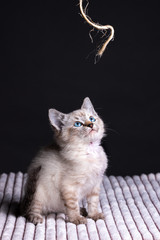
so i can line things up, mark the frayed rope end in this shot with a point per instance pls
(99, 27)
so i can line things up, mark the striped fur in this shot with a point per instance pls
(69, 170)
(30, 207)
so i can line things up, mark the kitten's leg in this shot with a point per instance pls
(34, 212)
(72, 208)
(93, 199)
(31, 206)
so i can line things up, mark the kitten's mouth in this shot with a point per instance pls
(92, 130)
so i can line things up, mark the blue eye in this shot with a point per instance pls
(92, 119)
(78, 124)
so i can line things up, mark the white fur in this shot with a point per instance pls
(78, 165)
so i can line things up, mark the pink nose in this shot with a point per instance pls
(90, 125)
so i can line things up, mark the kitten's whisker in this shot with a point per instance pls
(113, 130)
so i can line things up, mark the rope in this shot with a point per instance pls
(102, 28)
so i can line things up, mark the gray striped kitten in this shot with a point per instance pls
(69, 170)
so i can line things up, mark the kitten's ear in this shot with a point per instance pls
(88, 105)
(56, 118)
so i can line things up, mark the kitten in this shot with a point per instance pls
(70, 169)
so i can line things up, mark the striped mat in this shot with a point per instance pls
(131, 206)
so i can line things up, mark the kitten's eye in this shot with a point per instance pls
(78, 124)
(92, 119)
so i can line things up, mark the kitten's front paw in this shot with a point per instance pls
(78, 220)
(35, 218)
(97, 216)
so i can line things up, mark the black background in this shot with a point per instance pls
(47, 60)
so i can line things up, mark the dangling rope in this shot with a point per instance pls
(102, 28)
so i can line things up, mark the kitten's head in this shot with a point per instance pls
(80, 126)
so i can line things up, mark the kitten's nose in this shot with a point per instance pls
(90, 125)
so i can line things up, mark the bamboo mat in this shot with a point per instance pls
(131, 206)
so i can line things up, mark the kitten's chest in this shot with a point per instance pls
(93, 164)
(88, 165)
(91, 174)
(93, 152)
